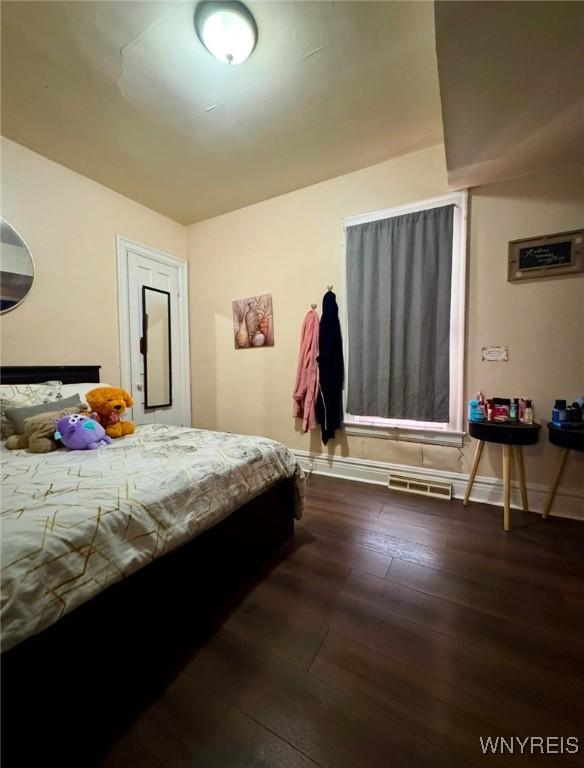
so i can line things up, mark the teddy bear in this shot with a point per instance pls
(110, 403)
(39, 431)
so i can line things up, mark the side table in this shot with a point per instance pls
(568, 440)
(512, 437)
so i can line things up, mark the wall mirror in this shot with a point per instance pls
(156, 348)
(16, 268)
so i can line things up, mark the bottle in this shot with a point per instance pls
(489, 410)
(513, 410)
(573, 413)
(528, 413)
(472, 407)
(475, 411)
(559, 412)
(522, 401)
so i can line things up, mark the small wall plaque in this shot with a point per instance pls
(546, 256)
(495, 354)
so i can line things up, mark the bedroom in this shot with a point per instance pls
(389, 623)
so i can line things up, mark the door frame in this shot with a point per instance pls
(183, 378)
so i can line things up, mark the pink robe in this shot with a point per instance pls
(306, 386)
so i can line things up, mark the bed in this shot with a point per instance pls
(96, 544)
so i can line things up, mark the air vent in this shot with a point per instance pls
(419, 485)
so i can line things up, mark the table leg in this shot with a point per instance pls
(506, 486)
(473, 472)
(521, 469)
(556, 480)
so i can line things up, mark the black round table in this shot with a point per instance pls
(512, 436)
(567, 439)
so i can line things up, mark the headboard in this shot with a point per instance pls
(36, 374)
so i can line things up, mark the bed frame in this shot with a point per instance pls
(68, 692)
(36, 374)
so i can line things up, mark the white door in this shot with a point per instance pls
(140, 267)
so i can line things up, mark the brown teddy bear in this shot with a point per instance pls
(39, 431)
(110, 403)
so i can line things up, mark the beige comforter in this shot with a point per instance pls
(74, 522)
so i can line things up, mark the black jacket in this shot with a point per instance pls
(329, 403)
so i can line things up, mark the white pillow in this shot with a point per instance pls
(16, 395)
(80, 389)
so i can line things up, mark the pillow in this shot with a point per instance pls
(14, 395)
(80, 389)
(17, 415)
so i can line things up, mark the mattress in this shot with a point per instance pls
(75, 522)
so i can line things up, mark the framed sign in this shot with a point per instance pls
(546, 256)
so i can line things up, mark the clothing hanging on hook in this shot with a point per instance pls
(331, 369)
(306, 384)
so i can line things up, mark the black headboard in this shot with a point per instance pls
(36, 374)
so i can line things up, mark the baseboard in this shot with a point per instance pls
(486, 490)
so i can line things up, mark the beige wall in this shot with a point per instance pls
(70, 224)
(542, 321)
(291, 246)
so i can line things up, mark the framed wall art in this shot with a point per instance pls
(253, 322)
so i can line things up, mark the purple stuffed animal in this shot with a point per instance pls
(79, 433)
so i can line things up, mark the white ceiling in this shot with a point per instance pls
(124, 93)
(512, 87)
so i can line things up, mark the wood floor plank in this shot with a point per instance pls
(174, 728)
(503, 637)
(324, 724)
(357, 558)
(288, 613)
(356, 509)
(433, 709)
(130, 751)
(378, 524)
(532, 554)
(528, 605)
(383, 543)
(555, 578)
(422, 517)
(392, 631)
(240, 742)
(347, 489)
(521, 693)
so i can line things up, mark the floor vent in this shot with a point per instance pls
(419, 485)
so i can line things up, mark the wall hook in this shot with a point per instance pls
(329, 287)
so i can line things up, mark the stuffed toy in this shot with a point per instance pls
(39, 431)
(80, 433)
(110, 404)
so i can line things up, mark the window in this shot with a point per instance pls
(404, 324)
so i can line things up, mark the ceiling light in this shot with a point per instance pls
(226, 29)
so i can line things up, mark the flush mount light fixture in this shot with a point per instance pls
(226, 29)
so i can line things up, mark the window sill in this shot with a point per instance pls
(407, 434)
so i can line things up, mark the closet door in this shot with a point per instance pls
(157, 336)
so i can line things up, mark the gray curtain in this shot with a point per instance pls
(398, 292)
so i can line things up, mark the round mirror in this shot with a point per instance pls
(16, 268)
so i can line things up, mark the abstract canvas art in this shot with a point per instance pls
(253, 322)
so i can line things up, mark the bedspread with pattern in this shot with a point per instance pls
(74, 522)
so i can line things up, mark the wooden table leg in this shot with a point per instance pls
(521, 470)
(473, 472)
(556, 481)
(506, 486)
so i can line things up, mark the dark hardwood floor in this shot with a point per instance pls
(392, 631)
